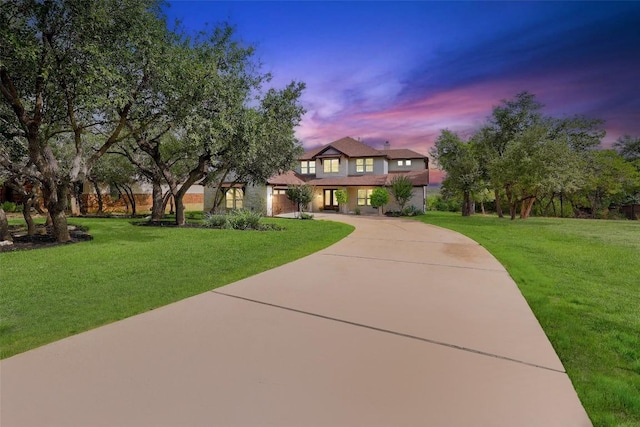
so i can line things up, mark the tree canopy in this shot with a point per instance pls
(524, 156)
(80, 80)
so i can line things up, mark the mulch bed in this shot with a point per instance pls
(42, 238)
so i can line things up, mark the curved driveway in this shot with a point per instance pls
(399, 324)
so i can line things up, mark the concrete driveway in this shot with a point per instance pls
(399, 324)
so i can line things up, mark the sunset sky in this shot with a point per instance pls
(402, 71)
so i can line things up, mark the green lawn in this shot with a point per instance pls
(582, 281)
(48, 294)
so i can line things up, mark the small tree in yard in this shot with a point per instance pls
(401, 189)
(342, 197)
(301, 195)
(379, 198)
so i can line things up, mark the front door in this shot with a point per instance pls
(330, 201)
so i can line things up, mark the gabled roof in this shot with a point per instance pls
(347, 146)
(354, 148)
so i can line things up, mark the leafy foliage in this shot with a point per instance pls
(401, 188)
(301, 195)
(379, 197)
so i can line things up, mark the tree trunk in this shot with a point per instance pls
(99, 197)
(5, 235)
(55, 196)
(466, 204)
(157, 208)
(527, 204)
(122, 196)
(482, 208)
(26, 214)
(180, 218)
(129, 192)
(498, 204)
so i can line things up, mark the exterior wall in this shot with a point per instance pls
(343, 170)
(255, 198)
(193, 200)
(417, 200)
(353, 201)
(416, 165)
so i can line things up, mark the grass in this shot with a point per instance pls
(48, 294)
(582, 281)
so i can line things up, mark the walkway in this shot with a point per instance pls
(399, 324)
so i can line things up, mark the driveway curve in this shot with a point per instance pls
(399, 324)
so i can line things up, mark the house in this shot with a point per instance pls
(345, 164)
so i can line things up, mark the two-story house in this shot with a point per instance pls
(345, 164)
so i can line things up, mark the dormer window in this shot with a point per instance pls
(331, 165)
(364, 165)
(308, 167)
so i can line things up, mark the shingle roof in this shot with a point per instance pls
(287, 178)
(347, 146)
(354, 148)
(403, 153)
(418, 178)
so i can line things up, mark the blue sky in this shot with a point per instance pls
(402, 71)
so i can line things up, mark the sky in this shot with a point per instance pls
(403, 71)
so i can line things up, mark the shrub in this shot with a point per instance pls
(244, 219)
(305, 215)
(411, 211)
(9, 206)
(439, 203)
(215, 220)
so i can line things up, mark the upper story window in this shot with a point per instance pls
(404, 162)
(308, 167)
(364, 165)
(331, 165)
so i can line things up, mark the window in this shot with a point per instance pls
(233, 198)
(407, 162)
(364, 197)
(279, 192)
(331, 165)
(364, 165)
(400, 162)
(308, 167)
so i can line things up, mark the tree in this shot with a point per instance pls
(459, 160)
(528, 155)
(401, 188)
(608, 178)
(342, 197)
(301, 195)
(70, 67)
(628, 147)
(509, 119)
(379, 198)
(216, 119)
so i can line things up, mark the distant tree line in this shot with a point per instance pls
(521, 157)
(104, 92)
